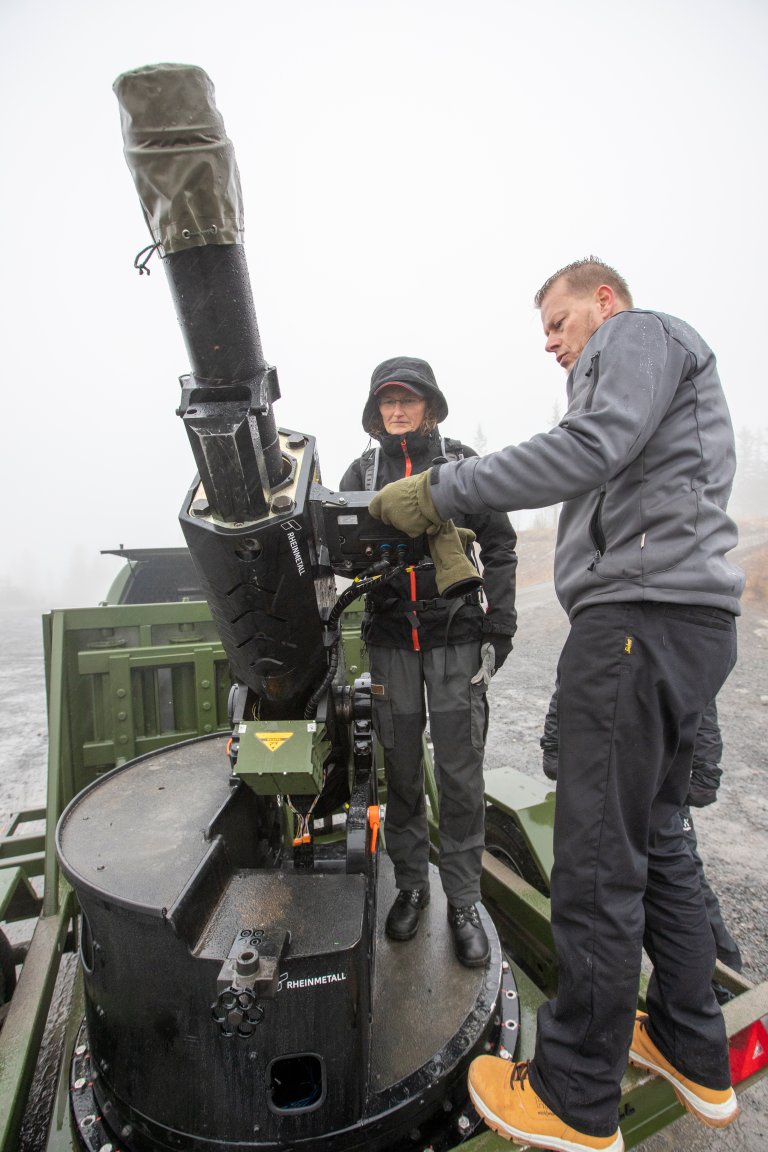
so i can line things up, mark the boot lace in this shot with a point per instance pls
(466, 914)
(519, 1074)
(410, 896)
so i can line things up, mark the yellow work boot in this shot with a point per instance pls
(504, 1097)
(710, 1105)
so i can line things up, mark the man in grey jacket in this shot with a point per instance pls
(644, 461)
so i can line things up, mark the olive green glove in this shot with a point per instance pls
(455, 573)
(407, 505)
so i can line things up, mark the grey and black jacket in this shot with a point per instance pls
(644, 461)
(393, 611)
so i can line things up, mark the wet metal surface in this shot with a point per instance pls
(322, 913)
(138, 835)
(422, 994)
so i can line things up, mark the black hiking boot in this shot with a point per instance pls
(403, 919)
(469, 939)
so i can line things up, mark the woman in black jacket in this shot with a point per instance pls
(416, 639)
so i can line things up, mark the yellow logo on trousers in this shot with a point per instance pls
(628, 645)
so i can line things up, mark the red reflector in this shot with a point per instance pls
(748, 1050)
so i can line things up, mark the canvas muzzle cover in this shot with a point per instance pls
(182, 162)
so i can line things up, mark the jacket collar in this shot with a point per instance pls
(420, 448)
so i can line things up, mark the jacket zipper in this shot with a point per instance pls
(595, 527)
(596, 531)
(594, 372)
(408, 470)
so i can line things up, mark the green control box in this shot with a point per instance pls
(279, 757)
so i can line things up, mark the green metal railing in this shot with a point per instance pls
(121, 680)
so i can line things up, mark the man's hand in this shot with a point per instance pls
(407, 505)
(705, 781)
(549, 758)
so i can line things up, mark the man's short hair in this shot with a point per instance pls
(584, 276)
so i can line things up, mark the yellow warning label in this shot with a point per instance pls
(273, 740)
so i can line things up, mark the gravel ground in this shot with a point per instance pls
(23, 726)
(733, 833)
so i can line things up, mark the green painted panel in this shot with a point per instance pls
(282, 756)
(531, 804)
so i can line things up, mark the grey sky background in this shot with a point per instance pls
(412, 172)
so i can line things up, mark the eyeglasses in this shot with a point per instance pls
(390, 402)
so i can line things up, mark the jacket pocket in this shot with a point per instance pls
(671, 535)
(704, 616)
(641, 541)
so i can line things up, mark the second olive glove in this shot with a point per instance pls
(455, 573)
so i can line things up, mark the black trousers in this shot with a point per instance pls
(634, 680)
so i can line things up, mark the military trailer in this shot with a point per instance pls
(206, 967)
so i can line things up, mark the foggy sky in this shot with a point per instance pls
(412, 172)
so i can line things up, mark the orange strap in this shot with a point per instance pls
(408, 471)
(374, 819)
(414, 631)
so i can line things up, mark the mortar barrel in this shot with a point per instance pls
(184, 169)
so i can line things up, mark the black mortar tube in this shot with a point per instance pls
(184, 169)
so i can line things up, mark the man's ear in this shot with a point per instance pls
(607, 301)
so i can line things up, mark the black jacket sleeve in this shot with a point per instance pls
(707, 752)
(550, 741)
(352, 480)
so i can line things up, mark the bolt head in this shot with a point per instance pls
(282, 503)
